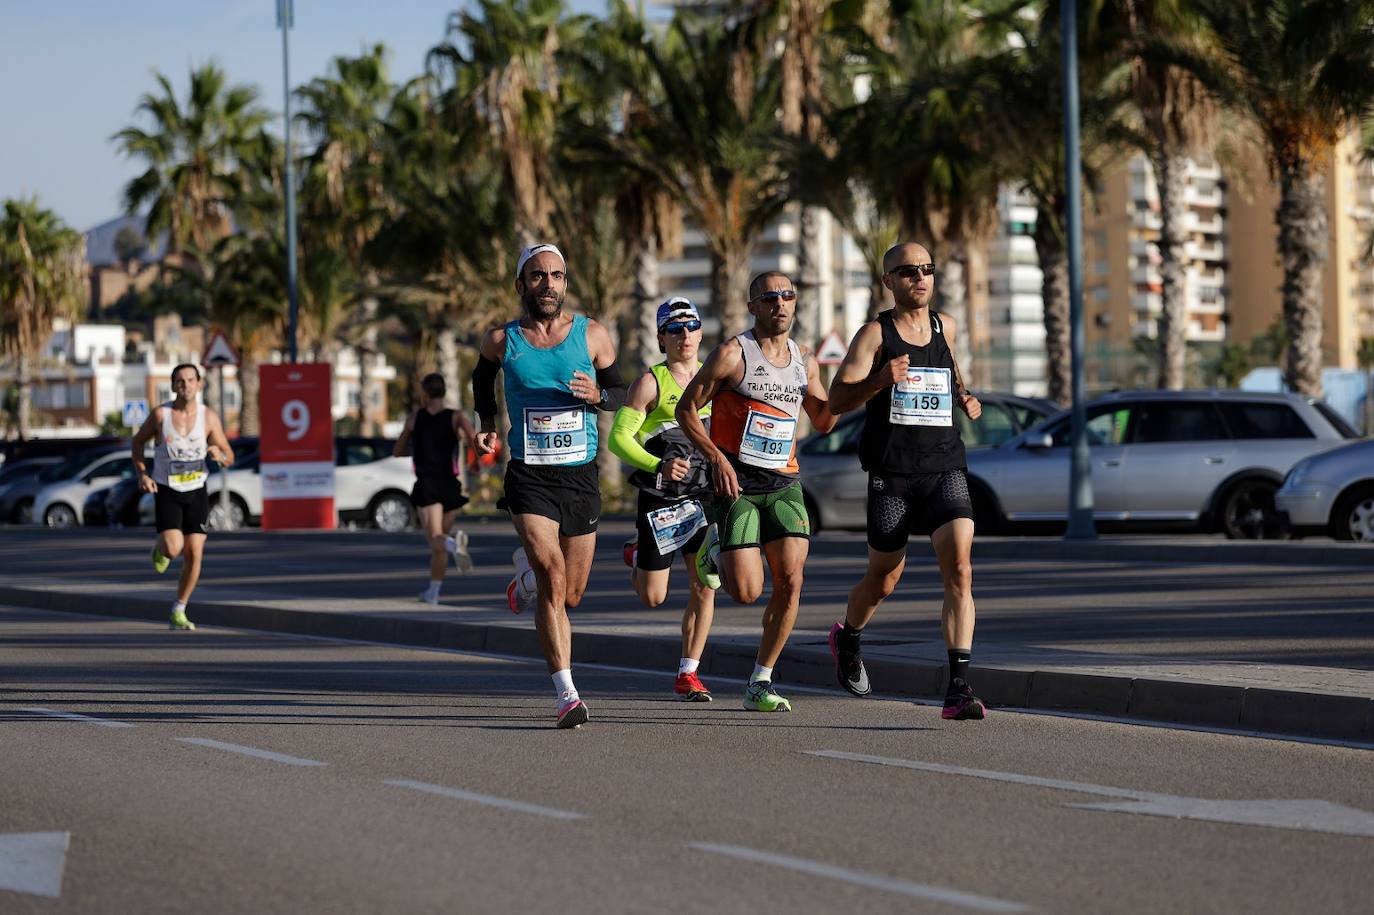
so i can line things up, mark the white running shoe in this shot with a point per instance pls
(522, 591)
(457, 546)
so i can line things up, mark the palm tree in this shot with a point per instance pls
(192, 154)
(1303, 72)
(42, 280)
(1364, 357)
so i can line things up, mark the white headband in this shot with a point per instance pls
(530, 252)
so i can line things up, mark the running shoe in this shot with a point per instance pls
(178, 620)
(426, 597)
(627, 550)
(963, 705)
(689, 688)
(849, 665)
(457, 546)
(522, 590)
(761, 697)
(707, 571)
(572, 711)
(160, 562)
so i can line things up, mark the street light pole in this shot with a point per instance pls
(1080, 464)
(286, 18)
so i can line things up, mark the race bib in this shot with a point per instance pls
(184, 476)
(673, 525)
(555, 435)
(767, 440)
(923, 399)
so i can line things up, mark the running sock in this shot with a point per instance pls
(450, 544)
(849, 636)
(432, 592)
(562, 683)
(687, 666)
(761, 673)
(958, 667)
(178, 606)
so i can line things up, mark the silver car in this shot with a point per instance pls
(1332, 493)
(1200, 460)
(836, 487)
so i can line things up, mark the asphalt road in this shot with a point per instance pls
(266, 773)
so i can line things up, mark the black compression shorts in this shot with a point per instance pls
(187, 512)
(900, 505)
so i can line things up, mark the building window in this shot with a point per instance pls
(62, 395)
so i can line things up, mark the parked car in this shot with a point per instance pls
(59, 504)
(113, 507)
(16, 500)
(1332, 493)
(1199, 460)
(11, 452)
(836, 487)
(13, 472)
(370, 486)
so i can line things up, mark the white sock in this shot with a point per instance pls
(179, 606)
(562, 683)
(432, 592)
(450, 544)
(687, 666)
(761, 673)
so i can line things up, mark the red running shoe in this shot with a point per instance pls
(627, 550)
(689, 688)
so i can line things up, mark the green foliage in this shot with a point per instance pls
(113, 424)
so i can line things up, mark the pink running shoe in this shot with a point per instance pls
(963, 705)
(572, 711)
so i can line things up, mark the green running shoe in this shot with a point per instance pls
(160, 562)
(707, 572)
(179, 621)
(761, 697)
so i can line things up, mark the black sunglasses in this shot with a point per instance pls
(785, 295)
(677, 327)
(907, 271)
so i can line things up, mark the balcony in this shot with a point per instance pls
(1212, 198)
(1213, 251)
(1146, 275)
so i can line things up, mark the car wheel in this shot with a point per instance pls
(813, 512)
(391, 512)
(23, 512)
(1353, 516)
(59, 515)
(1248, 512)
(986, 518)
(237, 518)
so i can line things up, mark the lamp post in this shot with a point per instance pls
(286, 18)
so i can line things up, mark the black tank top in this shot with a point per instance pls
(435, 443)
(888, 447)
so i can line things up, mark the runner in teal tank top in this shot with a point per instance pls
(558, 369)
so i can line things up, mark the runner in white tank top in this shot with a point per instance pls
(185, 433)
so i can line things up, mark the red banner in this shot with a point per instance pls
(297, 446)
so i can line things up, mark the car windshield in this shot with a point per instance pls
(65, 470)
(1335, 419)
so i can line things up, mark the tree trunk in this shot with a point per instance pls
(1368, 402)
(807, 326)
(367, 363)
(1054, 290)
(877, 296)
(647, 297)
(954, 299)
(730, 291)
(248, 391)
(24, 381)
(446, 359)
(1171, 179)
(1301, 218)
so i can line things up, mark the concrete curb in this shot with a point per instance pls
(1169, 701)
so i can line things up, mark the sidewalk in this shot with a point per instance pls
(1061, 625)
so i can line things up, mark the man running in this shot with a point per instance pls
(556, 367)
(185, 432)
(437, 494)
(669, 515)
(757, 384)
(903, 366)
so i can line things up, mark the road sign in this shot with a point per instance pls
(297, 446)
(219, 352)
(135, 412)
(832, 349)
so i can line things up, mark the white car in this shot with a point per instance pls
(1332, 493)
(370, 487)
(59, 504)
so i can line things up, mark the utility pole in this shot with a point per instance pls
(286, 18)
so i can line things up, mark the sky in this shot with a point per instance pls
(73, 72)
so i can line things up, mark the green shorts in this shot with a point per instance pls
(753, 520)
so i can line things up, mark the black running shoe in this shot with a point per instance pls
(849, 665)
(962, 705)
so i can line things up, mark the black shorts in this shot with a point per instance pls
(648, 556)
(445, 491)
(900, 505)
(187, 512)
(569, 495)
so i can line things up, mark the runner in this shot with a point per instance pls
(903, 366)
(437, 494)
(185, 432)
(669, 515)
(757, 384)
(556, 367)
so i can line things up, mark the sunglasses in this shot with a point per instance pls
(781, 295)
(907, 271)
(677, 327)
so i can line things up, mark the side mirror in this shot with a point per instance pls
(1039, 441)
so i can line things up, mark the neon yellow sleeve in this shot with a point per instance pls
(625, 446)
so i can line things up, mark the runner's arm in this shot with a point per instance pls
(722, 366)
(967, 402)
(629, 419)
(218, 440)
(816, 405)
(858, 377)
(608, 391)
(484, 386)
(462, 426)
(403, 441)
(145, 433)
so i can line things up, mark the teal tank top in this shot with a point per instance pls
(549, 426)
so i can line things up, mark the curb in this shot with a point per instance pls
(1293, 713)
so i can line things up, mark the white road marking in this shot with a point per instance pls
(250, 751)
(860, 878)
(487, 799)
(32, 862)
(1305, 815)
(72, 716)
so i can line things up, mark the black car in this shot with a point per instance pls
(116, 506)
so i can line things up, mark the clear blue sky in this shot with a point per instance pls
(73, 71)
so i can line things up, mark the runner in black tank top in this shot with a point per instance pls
(437, 494)
(903, 366)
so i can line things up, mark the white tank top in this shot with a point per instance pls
(179, 460)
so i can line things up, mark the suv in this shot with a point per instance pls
(1200, 460)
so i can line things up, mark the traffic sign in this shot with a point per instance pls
(135, 412)
(832, 349)
(219, 352)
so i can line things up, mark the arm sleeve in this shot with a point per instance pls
(616, 391)
(484, 387)
(625, 446)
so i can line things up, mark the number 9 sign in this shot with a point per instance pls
(295, 416)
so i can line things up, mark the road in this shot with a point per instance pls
(228, 771)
